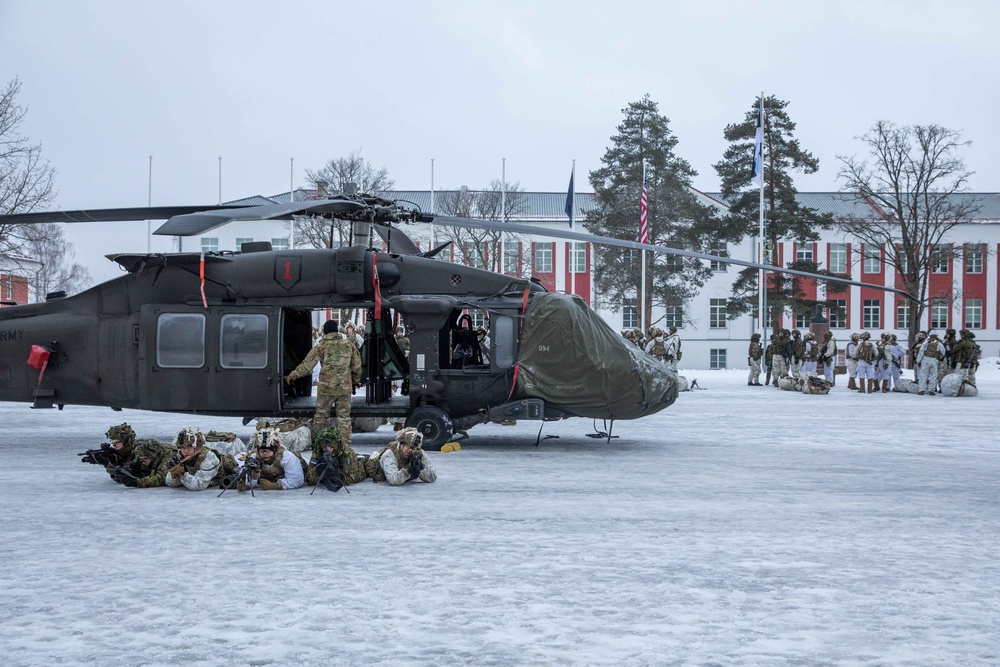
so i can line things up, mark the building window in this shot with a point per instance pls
(511, 257)
(903, 315)
(719, 248)
(210, 244)
(973, 259)
(7, 283)
(717, 314)
(240, 240)
(716, 358)
(973, 313)
(871, 314)
(837, 313)
(673, 317)
(673, 262)
(630, 259)
(478, 318)
(873, 260)
(578, 257)
(838, 258)
(902, 262)
(630, 315)
(939, 314)
(804, 253)
(474, 258)
(543, 258)
(180, 340)
(279, 244)
(243, 341)
(801, 321)
(940, 258)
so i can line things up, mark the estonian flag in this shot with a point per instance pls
(758, 166)
(569, 198)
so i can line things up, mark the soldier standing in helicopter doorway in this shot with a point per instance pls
(340, 372)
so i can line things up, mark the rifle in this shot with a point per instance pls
(250, 466)
(100, 456)
(416, 464)
(331, 476)
(123, 475)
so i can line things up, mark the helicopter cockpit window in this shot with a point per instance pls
(243, 341)
(180, 340)
(503, 341)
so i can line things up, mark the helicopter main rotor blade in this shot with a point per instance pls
(105, 214)
(191, 224)
(528, 230)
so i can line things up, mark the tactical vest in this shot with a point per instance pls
(866, 352)
(658, 349)
(932, 350)
(373, 466)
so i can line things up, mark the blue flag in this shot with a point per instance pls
(570, 194)
(758, 166)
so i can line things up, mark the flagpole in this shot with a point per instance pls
(572, 244)
(759, 155)
(642, 299)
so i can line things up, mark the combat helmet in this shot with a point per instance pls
(328, 436)
(865, 335)
(855, 337)
(410, 436)
(122, 433)
(266, 438)
(190, 437)
(147, 449)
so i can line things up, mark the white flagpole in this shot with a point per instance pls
(572, 244)
(763, 274)
(642, 298)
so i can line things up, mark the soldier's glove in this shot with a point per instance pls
(177, 471)
(270, 486)
(129, 481)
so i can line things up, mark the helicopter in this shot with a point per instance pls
(216, 333)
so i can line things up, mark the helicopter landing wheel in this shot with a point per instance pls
(434, 424)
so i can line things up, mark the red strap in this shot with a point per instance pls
(378, 291)
(204, 301)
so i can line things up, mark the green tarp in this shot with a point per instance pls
(572, 359)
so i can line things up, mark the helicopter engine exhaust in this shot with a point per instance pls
(572, 359)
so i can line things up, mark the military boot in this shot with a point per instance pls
(851, 384)
(885, 386)
(861, 385)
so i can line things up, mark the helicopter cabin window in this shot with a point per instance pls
(180, 340)
(210, 244)
(243, 341)
(504, 334)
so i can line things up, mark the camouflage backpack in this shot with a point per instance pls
(932, 350)
(659, 349)
(866, 352)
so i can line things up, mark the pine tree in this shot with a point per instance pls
(784, 217)
(675, 218)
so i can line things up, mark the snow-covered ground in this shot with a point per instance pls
(742, 526)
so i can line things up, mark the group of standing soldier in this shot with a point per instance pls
(790, 354)
(664, 346)
(872, 366)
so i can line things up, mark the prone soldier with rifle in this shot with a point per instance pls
(114, 453)
(402, 461)
(333, 465)
(148, 467)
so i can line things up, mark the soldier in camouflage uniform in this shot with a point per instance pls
(277, 469)
(122, 440)
(350, 469)
(340, 372)
(754, 353)
(148, 467)
(828, 354)
(966, 356)
(194, 466)
(798, 354)
(402, 461)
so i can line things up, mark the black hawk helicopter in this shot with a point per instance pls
(216, 333)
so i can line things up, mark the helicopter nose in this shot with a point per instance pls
(572, 359)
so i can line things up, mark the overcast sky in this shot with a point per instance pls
(468, 84)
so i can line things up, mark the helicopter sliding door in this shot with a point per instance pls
(215, 360)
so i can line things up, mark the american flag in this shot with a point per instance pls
(643, 203)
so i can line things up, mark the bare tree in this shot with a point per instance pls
(27, 182)
(913, 176)
(47, 244)
(482, 248)
(349, 175)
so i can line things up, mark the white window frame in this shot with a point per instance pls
(578, 256)
(903, 314)
(511, 257)
(673, 316)
(804, 253)
(973, 259)
(939, 314)
(838, 258)
(941, 258)
(280, 243)
(630, 313)
(717, 358)
(835, 321)
(873, 260)
(717, 314)
(542, 261)
(210, 244)
(721, 249)
(973, 313)
(871, 314)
